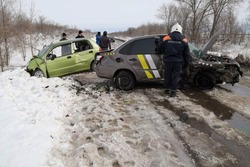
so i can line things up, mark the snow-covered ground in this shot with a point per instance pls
(30, 110)
(59, 122)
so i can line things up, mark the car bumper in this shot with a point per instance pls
(105, 72)
(231, 77)
(28, 70)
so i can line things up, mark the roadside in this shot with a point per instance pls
(142, 127)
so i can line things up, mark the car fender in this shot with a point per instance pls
(125, 69)
(37, 63)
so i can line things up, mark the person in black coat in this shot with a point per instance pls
(80, 45)
(176, 56)
(105, 42)
(64, 37)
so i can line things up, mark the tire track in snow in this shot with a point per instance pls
(229, 146)
(148, 122)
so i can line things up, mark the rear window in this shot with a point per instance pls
(141, 46)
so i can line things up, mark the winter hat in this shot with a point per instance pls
(64, 34)
(177, 28)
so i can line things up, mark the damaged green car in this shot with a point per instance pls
(63, 58)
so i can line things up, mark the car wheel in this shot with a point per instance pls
(38, 73)
(125, 80)
(205, 81)
(92, 66)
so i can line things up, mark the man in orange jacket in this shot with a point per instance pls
(176, 56)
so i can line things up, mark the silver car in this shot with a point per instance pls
(137, 61)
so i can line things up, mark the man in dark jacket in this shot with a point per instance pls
(64, 37)
(105, 42)
(176, 56)
(80, 45)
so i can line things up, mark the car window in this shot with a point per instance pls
(194, 51)
(66, 49)
(61, 50)
(82, 45)
(42, 51)
(141, 46)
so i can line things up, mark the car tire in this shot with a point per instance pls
(124, 80)
(38, 73)
(205, 81)
(92, 66)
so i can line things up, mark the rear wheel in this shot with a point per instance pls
(125, 80)
(38, 73)
(205, 81)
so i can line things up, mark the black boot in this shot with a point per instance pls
(172, 93)
(167, 91)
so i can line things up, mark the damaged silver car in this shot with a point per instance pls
(137, 61)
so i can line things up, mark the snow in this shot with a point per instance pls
(45, 122)
(30, 110)
(58, 122)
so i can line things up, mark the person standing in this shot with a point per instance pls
(80, 34)
(64, 37)
(175, 57)
(98, 37)
(65, 49)
(80, 45)
(105, 42)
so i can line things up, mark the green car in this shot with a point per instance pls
(64, 58)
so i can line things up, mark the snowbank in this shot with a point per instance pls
(30, 109)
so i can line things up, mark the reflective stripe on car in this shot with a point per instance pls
(152, 66)
(109, 53)
(146, 68)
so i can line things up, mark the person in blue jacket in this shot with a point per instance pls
(98, 37)
(175, 57)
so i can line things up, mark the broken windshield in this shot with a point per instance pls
(42, 51)
(195, 52)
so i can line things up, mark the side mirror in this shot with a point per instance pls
(51, 56)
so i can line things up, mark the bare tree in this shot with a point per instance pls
(232, 28)
(33, 37)
(247, 23)
(21, 22)
(199, 9)
(218, 6)
(167, 13)
(5, 27)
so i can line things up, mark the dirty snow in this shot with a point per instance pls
(59, 122)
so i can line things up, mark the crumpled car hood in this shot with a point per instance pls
(210, 43)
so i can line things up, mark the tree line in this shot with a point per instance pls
(200, 19)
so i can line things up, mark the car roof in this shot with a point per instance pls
(141, 37)
(71, 40)
(202, 51)
(148, 36)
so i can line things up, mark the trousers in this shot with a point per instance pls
(172, 71)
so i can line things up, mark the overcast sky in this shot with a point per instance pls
(100, 15)
(110, 15)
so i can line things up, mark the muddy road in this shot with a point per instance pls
(144, 127)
